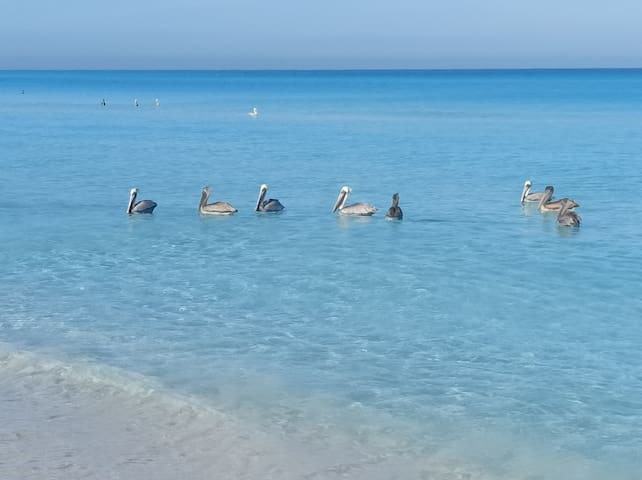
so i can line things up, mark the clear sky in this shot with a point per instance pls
(305, 34)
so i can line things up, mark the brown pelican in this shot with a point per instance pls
(394, 212)
(143, 206)
(567, 218)
(270, 205)
(363, 209)
(216, 208)
(528, 196)
(545, 205)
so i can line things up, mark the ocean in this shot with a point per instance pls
(474, 339)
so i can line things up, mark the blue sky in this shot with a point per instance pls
(253, 34)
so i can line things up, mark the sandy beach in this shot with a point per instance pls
(52, 429)
(57, 427)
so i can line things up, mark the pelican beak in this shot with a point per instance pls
(262, 192)
(340, 198)
(132, 195)
(524, 190)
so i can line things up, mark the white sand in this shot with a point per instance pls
(59, 422)
(63, 421)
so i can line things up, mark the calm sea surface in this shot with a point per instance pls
(474, 339)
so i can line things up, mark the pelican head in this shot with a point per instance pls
(548, 194)
(342, 198)
(526, 189)
(205, 195)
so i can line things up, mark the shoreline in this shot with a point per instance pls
(63, 421)
(55, 427)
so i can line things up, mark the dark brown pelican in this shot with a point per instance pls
(362, 209)
(270, 205)
(143, 206)
(394, 212)
(567, 218)
(545, 205)
(216, 208)
(528, 196)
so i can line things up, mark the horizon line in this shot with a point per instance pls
(325, 69)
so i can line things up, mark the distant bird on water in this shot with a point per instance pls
(216, 208)
(566, 218)
(253, 113)
(394, 212)
(143, 206)
(270, 205)
(357, 209)
(528, 196)
(545, 205)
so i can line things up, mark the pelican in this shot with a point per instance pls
(566, 218)
(270, 205)
(528, 196)
(253, 113)
(216, 208)
(143, 206)
(394, 212)
(545, 205)
(363, 209)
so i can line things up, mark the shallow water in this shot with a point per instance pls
(475, 335)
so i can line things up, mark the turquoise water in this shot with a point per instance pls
(475, 327)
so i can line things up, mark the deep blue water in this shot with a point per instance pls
(473, 317)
